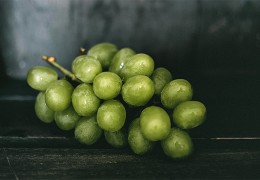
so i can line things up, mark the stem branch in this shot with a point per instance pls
(53, 61)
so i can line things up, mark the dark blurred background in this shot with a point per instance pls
(215, 44)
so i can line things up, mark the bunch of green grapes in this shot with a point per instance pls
(108, 82)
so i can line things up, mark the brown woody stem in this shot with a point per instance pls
(82, 51)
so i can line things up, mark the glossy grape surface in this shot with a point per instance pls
(86, 68)
(155, 123)
(58, 95)
(107, 85)
(178, 144)
(87, 130)
(84, 100)
(138, 90)
(67, 119)
(117, 139)
(175, 92)
(43, 112)
(189, 114)
(136, 140)
(160, 77)
(120, 59)
(111, 115)
(138, 64)
(103, 52)
(39, 77)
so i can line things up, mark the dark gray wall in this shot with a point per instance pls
(209, 35)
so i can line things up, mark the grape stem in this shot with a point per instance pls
(53, 61)
(82, 51)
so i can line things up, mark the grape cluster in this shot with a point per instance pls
(106, 86)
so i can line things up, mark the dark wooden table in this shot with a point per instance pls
(62, 158)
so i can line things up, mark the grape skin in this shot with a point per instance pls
(136, 140)
(39, 77)
(160, 77)
(138, 64)
(175, 92)
(84, 100)
(87, 130)
(189, 114)
(67, 119)
(111, 115)
(120, 59)
(107, 85)
(178, 144)
(138, 90)
(58, 95)
(116, 139)
(42, 111)
(104, 53)
(155, 123)
(86, 68)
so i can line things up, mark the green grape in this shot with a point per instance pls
(117, 139)
(189, 114)
(138, 90)
(138, 64)
(39, 77)
(136, 140)
(42, 111)
(87, 130)
(84, 100)
(178, 144)
(155, 123)
(175, 92)
(86, 68)
(58, 95)
(67, 119)
(120, 59)
(111, 115)
(104, 52)
(133, 75)
(107, 85)
(160, 77)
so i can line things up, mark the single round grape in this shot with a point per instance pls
(189, 114)
(138, 64)
(42, 111)
(58, 95)
(155, 123)
(117, 139)
(107, 85)
(175, 92)
(120, 59)
(111, 115)
(138, 90)
(160, 77)
(84, 100)
(86, 68)
(136, 140)
(67, 119)
(103, 52)
(178, 144)
(39, 77)
(87, 130)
